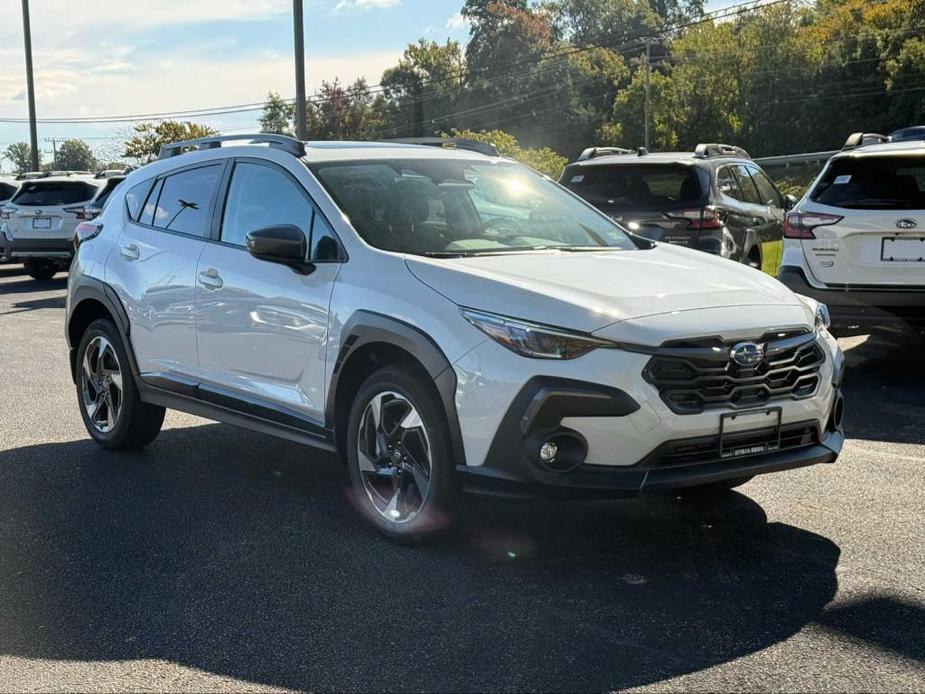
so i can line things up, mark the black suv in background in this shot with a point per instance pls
(715, 199)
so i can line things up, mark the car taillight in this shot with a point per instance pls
(84, 232)
(698, 217)
(800, 225)
(6, 212)
(80, 212)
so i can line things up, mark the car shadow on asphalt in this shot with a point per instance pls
(53, 302)
(884, 386)
(240, 555)
(27, 285)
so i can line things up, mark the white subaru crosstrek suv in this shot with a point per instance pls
(856, 241)
(37, 224)
(445, 321)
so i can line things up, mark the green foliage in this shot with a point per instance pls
(277, 115)
(343, 113)
(75, 155)
(542, 159)
(146, 144)
(20, 156)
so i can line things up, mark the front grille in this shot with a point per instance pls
(694, 376)
(705, 449)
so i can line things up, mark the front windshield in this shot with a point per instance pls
(458, 207)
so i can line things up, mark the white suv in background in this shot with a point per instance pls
(856, 241)
(37, 224)
(445, 321)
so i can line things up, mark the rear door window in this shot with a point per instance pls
(53, 193)
(766, 189)
(184, 201)
(873, 183)
(748, 190)
(637, 185)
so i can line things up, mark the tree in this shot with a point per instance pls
(277, 115)
(149, 137)
(343, 113)
(75, 155)
(542, 159)
(423, 88)
(20, 155)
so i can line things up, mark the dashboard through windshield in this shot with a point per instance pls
(459, 207)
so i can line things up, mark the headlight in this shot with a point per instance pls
(531, 339)
(823, 319)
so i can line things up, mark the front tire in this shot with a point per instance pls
(112, 411)
(399, 456)
(40, 269)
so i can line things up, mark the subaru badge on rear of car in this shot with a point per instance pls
(906, 224)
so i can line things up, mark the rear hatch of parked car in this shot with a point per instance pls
(660, 201)
(39, 211)
(864, 221)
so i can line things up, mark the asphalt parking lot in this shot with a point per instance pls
(220, 559)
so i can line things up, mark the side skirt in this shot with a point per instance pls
(221, 406)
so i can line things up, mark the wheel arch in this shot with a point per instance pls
(373, 340)
(91, 300)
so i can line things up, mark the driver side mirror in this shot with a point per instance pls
(790, 201)
(285, 244)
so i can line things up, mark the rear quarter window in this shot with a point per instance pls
(7, 191)
(53, 193)
(873, 183)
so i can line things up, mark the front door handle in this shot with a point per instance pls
(210, 279)
(130, 252)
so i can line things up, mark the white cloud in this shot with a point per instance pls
(364, 4)
(457, 23)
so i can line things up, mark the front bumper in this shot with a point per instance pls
(545, 406)
(11, 249)
(856, 308)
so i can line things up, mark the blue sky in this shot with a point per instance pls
(115, 57)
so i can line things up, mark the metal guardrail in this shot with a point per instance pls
(788, 160)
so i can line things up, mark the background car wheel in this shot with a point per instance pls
(715, 489)
(39, 269)
(399, 456)
(113, 414)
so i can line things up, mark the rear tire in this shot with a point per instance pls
(40, 269)
(112, 411)
(399, 456)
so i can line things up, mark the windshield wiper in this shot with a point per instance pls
(486, 251)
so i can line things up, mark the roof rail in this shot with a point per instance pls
(450, 142)
(707, 150)
(110, 173)
(861, 139)
(592, 152)
(33, 175)
(283, 142)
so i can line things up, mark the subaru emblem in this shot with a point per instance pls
(37, 213)
(747, 354)
(906, 224)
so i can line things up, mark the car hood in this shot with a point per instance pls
(588, 291)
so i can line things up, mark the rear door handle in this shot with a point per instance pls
(130, 252)
(210, 279)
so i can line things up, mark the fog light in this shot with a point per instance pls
(548, 452)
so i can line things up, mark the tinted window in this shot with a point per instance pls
(324, 242)
(766, 189)
(53, 193)
(462, 207)
(6, 191)
(135, 197)
(726, 183)
(263, 196)
(748, 191)
(635, 186)
(111, 184)
(185, 199)
(147, 214)
(875, 183)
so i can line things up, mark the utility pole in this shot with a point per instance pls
(647, 106)
(299, 41)
(30, 85)
(54, 151)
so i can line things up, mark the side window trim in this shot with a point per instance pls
(222, 201)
